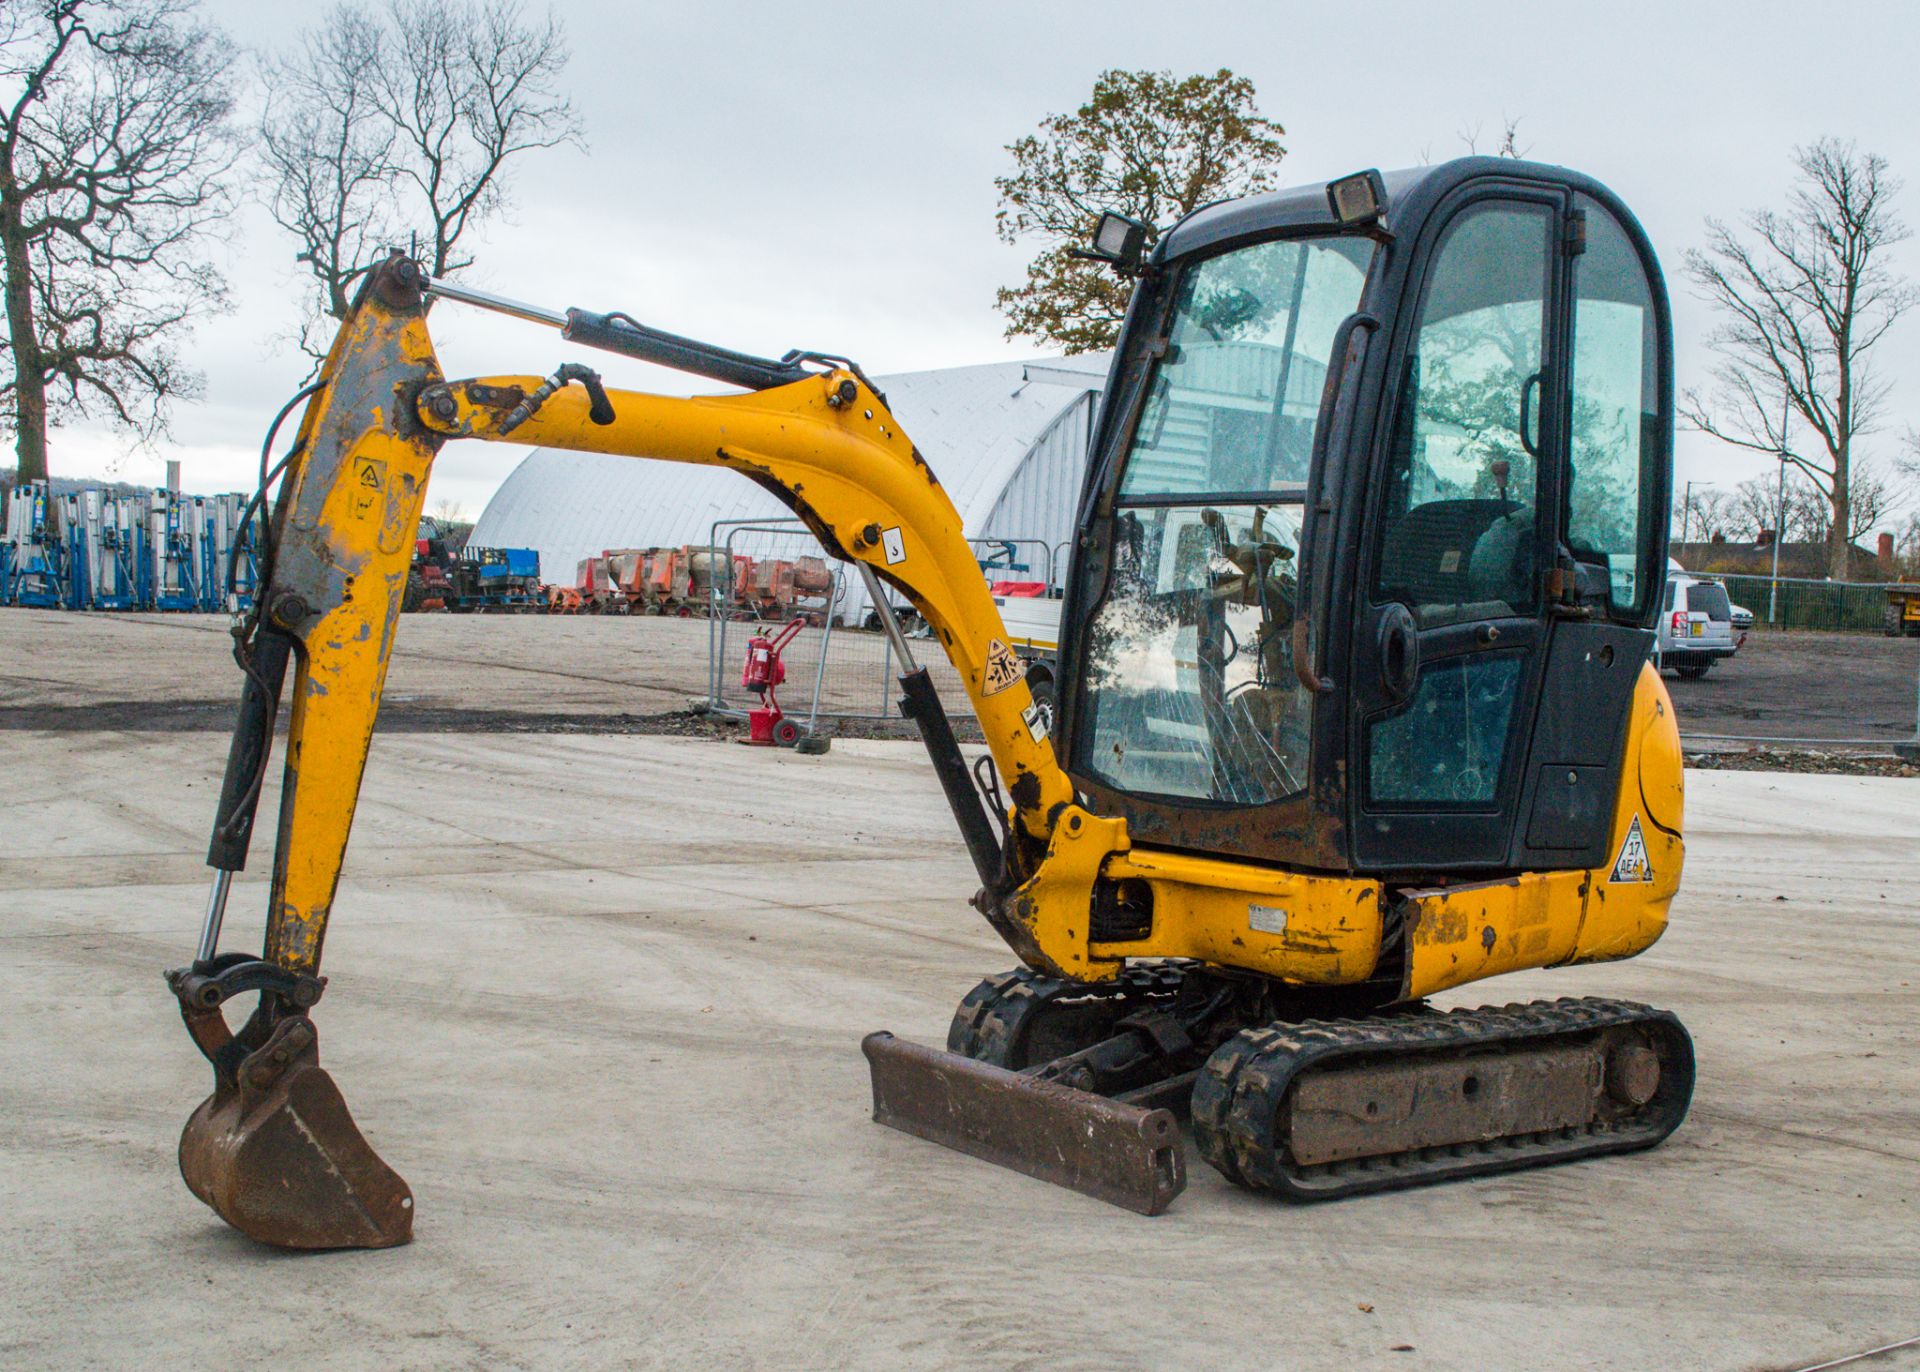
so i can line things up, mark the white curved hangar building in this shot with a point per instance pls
(1008, 440)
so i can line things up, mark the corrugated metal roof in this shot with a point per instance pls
(974, 425)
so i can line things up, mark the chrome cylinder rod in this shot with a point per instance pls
(884, 608)
(216, 912)
(499, 304)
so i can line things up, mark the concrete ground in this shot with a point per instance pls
(599, 1000)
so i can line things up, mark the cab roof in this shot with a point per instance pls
(1411, 193)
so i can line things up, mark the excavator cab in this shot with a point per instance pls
(1372, 526)
(1352, 707)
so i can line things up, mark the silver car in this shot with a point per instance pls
(1696, 626)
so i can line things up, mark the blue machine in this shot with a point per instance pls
(100, 548)
(41, 575)
(497, 579)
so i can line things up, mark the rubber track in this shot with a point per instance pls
(1239, 1094)
(988, 1023)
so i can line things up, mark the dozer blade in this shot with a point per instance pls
(277, 1155)
(1118, 1153)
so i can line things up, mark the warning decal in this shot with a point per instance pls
(1632, 865)
(1037, 724)
(370, 476)
(1002, 670)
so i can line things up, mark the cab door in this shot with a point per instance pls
(1451, 621)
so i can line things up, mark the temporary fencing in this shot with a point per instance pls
(837, 666)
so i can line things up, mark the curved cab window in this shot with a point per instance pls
(1190, 672)
(1232, 406)
(1614, 443)
(1458, 540)
(1189, 680)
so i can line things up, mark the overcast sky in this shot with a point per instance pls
(775, 175)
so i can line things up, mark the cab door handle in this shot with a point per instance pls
(1538, 379)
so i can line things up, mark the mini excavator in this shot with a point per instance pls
(1353, 706)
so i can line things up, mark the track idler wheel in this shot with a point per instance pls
(277, 1155)
(1021, 1018)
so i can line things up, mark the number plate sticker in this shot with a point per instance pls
(1267, 919)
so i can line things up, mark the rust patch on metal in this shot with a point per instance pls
(1437, 924)
(926, 467)
(494, 397)
(1025, 790)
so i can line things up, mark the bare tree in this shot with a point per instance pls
(1804, 296)
(1907, 549)
(114, 145)
(1509, 144)
(329, 153)
(1700, 514)
(1801, 512)
(395, 127)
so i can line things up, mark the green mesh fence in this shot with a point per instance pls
(1794, 603)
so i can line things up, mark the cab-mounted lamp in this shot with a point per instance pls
(1358, 199)
(1118, 241)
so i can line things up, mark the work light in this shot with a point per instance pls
(1358, 199)
(1118, 241)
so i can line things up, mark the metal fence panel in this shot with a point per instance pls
(1799, 603)
(836, 669)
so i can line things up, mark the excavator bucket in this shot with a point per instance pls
(1120, 1153)
(277, 1155)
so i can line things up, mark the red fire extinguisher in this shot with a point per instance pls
(762, 672)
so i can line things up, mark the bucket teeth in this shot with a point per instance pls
(1123, 1154)
(277, 1154)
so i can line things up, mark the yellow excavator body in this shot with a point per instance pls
(1190, 943)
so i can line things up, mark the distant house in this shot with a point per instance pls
(1807, 560)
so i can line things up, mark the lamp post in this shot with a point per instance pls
(1686, 508)
(1779, 517)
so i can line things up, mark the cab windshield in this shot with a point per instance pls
(1190, 682)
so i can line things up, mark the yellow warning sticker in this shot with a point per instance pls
(1002, 670)
(370, 476)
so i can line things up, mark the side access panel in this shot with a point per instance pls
(1576, 755)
